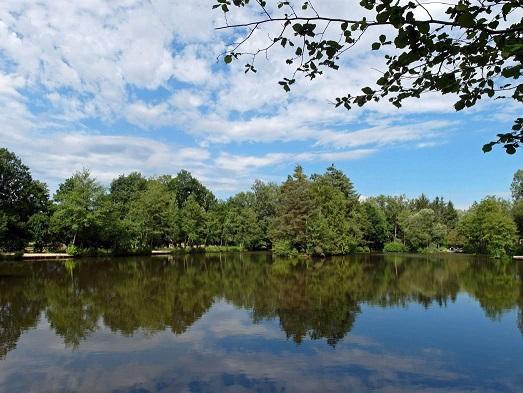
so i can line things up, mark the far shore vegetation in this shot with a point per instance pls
(317, 215)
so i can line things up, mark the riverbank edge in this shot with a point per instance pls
(191, 251)
(85, 253)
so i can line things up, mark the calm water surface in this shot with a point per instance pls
(248, 323)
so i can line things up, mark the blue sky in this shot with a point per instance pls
(123, 85)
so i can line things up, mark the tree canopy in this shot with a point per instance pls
(489, 228)
(473, 51)
(20, 198)
(77, 214)
(517, 185)
(319, 214)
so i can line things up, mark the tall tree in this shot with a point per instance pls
(376, 232)
(266, 196)
(394, 207)
(193, 222)
(472, 51)
(327, 207)
(420, 203)
(242, 228)
(294, 209)
(125, 188)
(334, 225)
(450, 215)
(185, 185)
(488, 228)
(76, 217)
(215, 219)
(445, 212)
(38, 226)
(422, 230)
(20, 198)
(337, 179)
(517, 185)
(517, 213)
(152, 216)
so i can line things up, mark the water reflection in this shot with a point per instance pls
(136, 324)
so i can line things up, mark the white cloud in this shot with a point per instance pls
(387, 134)
(191, 67)
(107, 156)
(238, 163)
(71, 71)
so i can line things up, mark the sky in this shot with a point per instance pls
(128, 85)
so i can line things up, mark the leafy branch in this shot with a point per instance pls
(476, 52)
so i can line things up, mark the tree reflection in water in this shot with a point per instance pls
(316, 299)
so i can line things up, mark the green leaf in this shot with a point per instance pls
(382, 17)
(424, 27)
(487, 148)
(459, 105)
(227, 59)
(466, 20)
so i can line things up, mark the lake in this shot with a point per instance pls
(253, 323)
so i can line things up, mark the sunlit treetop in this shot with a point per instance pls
(473, 50)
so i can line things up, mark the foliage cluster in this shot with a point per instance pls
(317, 215)
(394, 247)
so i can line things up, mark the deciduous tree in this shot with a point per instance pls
(76, 217)
(488, 228)
(20, 197)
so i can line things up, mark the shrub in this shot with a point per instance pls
(218, 249)
(284, 249)
(72, 250)
(363, 249)
(394, 247)
(430, 250)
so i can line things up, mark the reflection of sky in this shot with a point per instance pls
(451, 349)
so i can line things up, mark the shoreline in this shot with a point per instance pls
(61, 256)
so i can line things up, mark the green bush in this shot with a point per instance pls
(430, 250)
(394, 247)
(284, 249)
(84, 252)
(72, 250)
(218, 249)
(363, 249)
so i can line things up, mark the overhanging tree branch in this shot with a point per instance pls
(369, 24)
(476, 52)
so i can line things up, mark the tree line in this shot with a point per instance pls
(318, 215)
